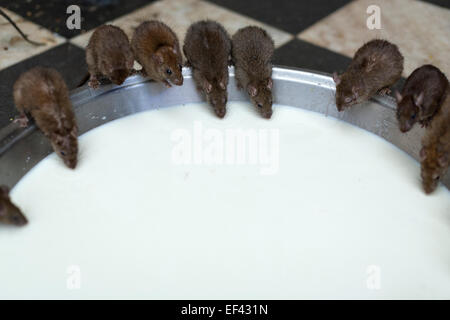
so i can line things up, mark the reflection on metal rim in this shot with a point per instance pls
(21, 149)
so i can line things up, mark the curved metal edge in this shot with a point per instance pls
(376, 115)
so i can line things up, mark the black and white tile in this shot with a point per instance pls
(317, 35)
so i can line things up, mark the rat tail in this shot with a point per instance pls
(20, 31)
(84, 80)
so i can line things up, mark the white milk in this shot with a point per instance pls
(320, 209)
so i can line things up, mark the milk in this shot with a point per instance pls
(178, 204)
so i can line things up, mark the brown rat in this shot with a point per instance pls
(109, 54)
(157, 49)
(252, 54)
(377, 65)
(42, 93)
(207, 47)
(421, 97)
(435, 153)
(9, 213)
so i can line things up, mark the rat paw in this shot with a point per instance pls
(385, 91)
(22, 121)
(167, 84)
(93, 83)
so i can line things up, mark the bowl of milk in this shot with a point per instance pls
(170, 202)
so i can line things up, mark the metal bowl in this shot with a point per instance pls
(21, 149)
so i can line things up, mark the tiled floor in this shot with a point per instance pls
(318, 35)
(420, 30)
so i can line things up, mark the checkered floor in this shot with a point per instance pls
(318, 35)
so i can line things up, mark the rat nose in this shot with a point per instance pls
(267, 114)
(118, 81)
(405, 128)
(178, 81)
(220, 112)
(71, 164)
(18, 220)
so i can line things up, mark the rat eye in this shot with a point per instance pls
(63, 153)
(169, 72)
(260, 105)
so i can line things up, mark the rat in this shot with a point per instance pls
(435, 152)
(207, 47)
(10, 213)
(157, 49)
(377, 65)
(20, 31)
(109, 54)
(252, 51)
(42, 93)
(421, 97)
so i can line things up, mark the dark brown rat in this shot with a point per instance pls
(9, 213)
(207, 47)
(377, 65)
(435, 153)
(109, 54)
(157, 49)
(252, 54)
(421, 97)
(42, 93)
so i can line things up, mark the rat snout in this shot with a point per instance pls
(119, 76)
(429, 186)
(18, 219)
(178, 81)
(15, 216)
(220, 112)
(405, 128)
(71, 164)
(117, 81)
(267, 113)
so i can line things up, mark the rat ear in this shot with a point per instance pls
(422, 154)
(336, 78)
(442, 160)
(252, 91)
(222, 85)
(74, 132)
(398, 96)
(4, 190)
(418, 99)
(174, 50)
(370, 64)
(158, 58)
(269, 83)
(207, 86)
